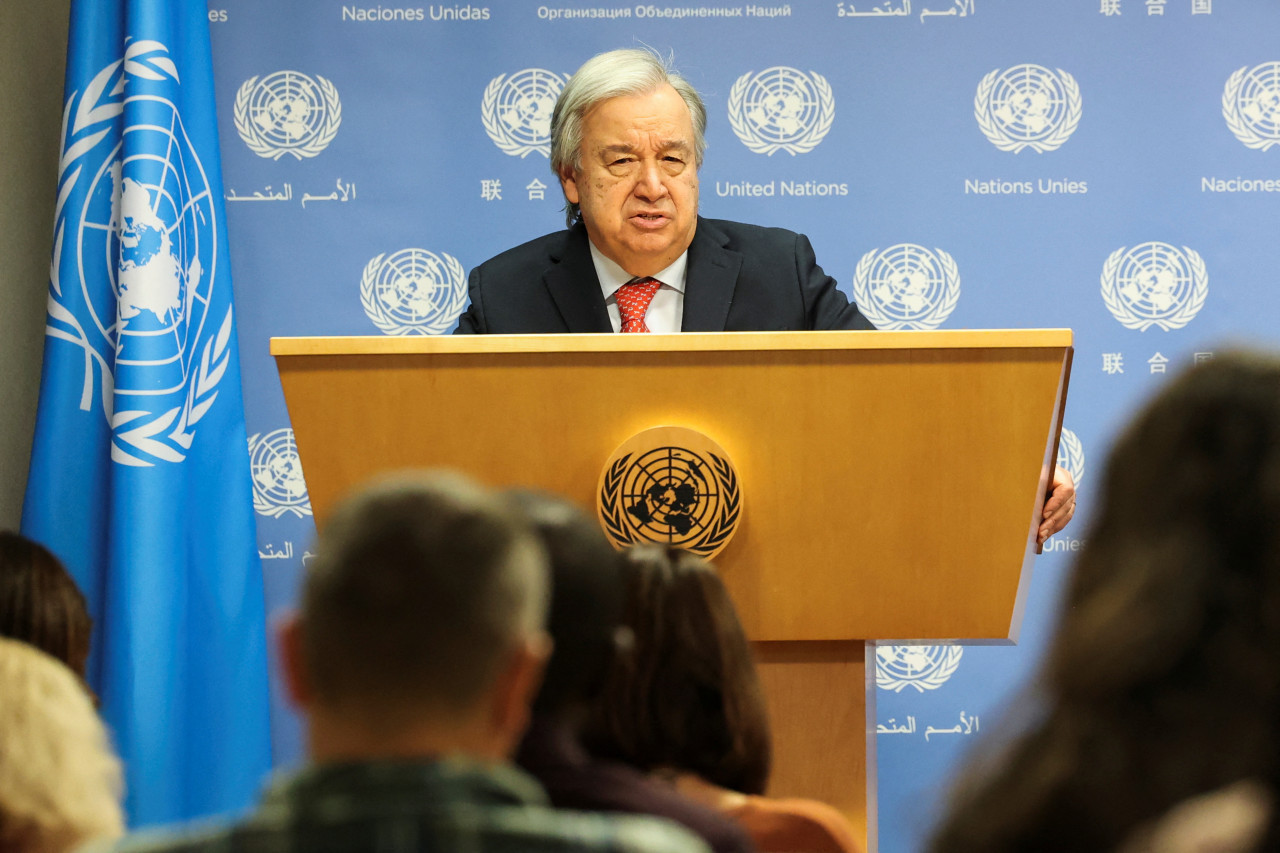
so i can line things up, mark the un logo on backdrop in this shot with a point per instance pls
(1154, 284)
(781, 109)
(1071, 455)
(278, 487)
(921, 667)
(906, 287)
(287, 113)
(516, 110)
(149, 227)
(413, 292)
(1027, 106)
(1251, 105)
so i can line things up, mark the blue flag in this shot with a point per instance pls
(139, 472)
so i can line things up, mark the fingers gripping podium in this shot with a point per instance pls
(890, 483)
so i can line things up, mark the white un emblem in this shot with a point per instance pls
(781, 109)
(1071, 455)
(278, 487)
(147, 225)
(516, 110)
(921, 667)
(906, 287)
(1027, 106)
(1251, 105)
(1154, 284)
(287, 113)
(413, 292)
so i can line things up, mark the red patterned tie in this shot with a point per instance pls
(633, 301)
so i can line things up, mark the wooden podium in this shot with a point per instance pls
(891, 481)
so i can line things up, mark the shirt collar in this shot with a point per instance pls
(613, 276)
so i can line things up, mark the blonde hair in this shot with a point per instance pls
(60, 781)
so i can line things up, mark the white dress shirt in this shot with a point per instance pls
(666, 311)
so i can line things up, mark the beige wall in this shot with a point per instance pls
(33, 48)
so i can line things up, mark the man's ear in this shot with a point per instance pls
(516, 687)
(289, 642)
(569, 183)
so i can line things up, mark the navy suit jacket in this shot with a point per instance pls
(739, 278)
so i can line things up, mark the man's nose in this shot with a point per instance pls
(650, 185)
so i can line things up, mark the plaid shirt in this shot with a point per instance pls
(415, 807)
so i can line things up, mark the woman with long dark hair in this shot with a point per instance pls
(1163, 681)
(686, 705)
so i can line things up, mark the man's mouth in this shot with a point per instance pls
(649, 218)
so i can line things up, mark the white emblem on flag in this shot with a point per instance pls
(278, 486)
(413, 292)
(1154, 284)
(148, 226)
(921, 667)
(1027, 106)
(906, 287)
(1071, 455)
(781, 109)
(287, 112)
(516, 110)
(1251, 105)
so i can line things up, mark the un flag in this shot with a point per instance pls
(139, 473)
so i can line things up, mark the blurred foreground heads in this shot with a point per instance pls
(687, 706)
(415, 657)
(60, 782)
(40, 604)
(1163, 682)
(590, 635)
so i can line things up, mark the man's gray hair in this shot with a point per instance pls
(421, 587)
(630, 71)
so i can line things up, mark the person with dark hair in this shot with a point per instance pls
(40, 604)
(1162, 682)
(415, 656)
(687, 705)
(587, 631)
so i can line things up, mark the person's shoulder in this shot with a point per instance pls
(744, 234)
(191, 838)
(797, 824)
(539, 249)
(545, 829)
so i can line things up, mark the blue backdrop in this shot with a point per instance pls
(1105, 165)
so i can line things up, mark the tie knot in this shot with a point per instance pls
(633, 301)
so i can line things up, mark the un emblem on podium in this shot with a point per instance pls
(671, 486)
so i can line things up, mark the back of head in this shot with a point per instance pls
(1162, 681)
(617, 73)
(421, 587)
(40, 604)
(587, 596)
(60, 783)
(688, 697)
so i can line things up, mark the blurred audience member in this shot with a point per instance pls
(40, 604)
(1163, 680)
(687, 705)
(416, 653)
(1229, 820)
(60, 782)
(586, 625)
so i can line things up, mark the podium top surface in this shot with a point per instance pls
(681, 342)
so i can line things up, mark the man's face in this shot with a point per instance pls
(637, 184)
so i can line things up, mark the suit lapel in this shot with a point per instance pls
(574, 287)
(710, 280)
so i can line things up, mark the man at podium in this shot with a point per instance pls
(627, 139)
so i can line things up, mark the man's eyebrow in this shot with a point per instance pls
(663, 146)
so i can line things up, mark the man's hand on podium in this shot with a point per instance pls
(1060, 506)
